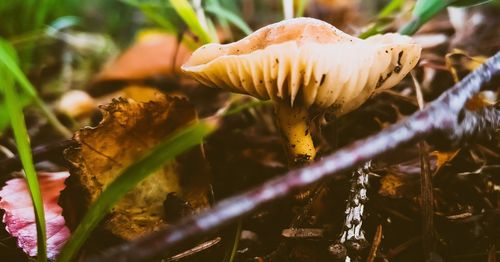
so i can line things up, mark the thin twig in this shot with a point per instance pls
(377, 238)
(395, 251)
(52, 119)
(195, 250)
(426, 189)
(231, 255)
(475, 126)
(441, 114)
(427, 201)
(492, 254)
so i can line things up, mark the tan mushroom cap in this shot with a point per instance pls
(306, 61)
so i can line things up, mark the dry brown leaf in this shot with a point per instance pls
(128, 130)
(482, 99)
(457, 59)
(390, 186)
(402, 180)
(460, 61)
(443, 157)
(155, 54)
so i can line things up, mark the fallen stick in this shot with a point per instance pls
(441, 115)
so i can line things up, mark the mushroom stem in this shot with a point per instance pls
(294, 124)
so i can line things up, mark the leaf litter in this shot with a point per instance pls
(246, 150)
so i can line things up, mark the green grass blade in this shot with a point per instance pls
(376, 28)
(229, 16)
(7, 56)
(223, 23)
(301, 7)
(23, 147)
(4, 117)
(41, 14)
(211, 29)
(42, 8)
(231, 253)
(426, 9)
(390, 8)
(383, 18)
(188, 15)
(23, 100)
(153, 14)
(465, 3)
(28, 38)
(176, 144)
(11, 65)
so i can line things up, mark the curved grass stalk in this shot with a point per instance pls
(7, 57)
(23, 147)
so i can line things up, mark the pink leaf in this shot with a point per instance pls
(20, 219)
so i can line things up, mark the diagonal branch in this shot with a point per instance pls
(441, 115)
(474, 126)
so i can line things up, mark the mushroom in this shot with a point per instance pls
(305, 65)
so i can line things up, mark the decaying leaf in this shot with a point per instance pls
(459, 60)
(128, 130)
(154, 55)
(459, 63)
(402, 180)
(390, 186)
(443, 157)
(19, 216)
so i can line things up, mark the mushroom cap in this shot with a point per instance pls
(308, 62)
